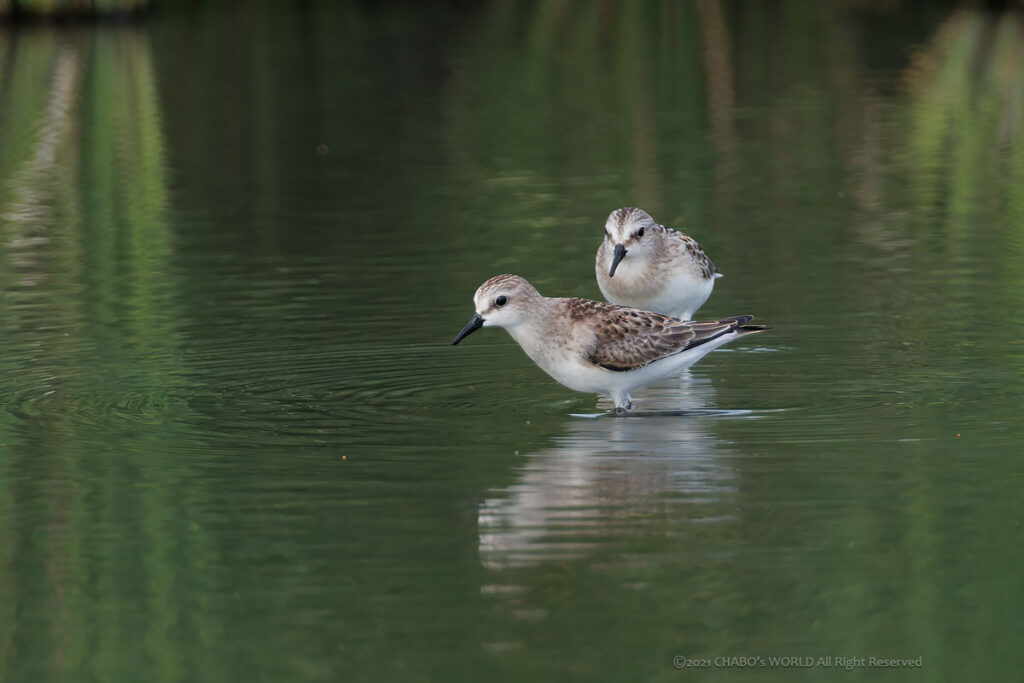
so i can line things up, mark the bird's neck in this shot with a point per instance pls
(539, 333)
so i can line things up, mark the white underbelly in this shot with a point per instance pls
(683, 296)
(679, 298)
(588, 378)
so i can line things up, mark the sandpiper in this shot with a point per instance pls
(597, 347)
(651, 267)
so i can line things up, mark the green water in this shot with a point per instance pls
(236, 444)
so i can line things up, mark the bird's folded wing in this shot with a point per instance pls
(694, 251)
(628, 339)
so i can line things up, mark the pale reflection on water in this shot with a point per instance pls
(231, 425)
(604, 475)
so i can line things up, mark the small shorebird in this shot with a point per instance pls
(596, 347)
(651, 267)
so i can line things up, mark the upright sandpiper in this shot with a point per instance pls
(651, 267)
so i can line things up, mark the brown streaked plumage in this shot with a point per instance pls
(594, 346)
(644, 264)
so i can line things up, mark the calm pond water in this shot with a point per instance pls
(236, 444)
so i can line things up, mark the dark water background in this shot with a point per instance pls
(235, 243)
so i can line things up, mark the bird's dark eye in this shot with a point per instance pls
(501, 300)
(640, 232)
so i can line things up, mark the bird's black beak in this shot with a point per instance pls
(474, 324)
(620, 253)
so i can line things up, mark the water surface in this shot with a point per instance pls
(236, 444)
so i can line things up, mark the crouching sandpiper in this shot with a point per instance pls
(651, 267)
(596, 347)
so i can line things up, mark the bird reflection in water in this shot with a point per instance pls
(606, 477)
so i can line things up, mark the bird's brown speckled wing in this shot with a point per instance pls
(696, 252)
(628, 338)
